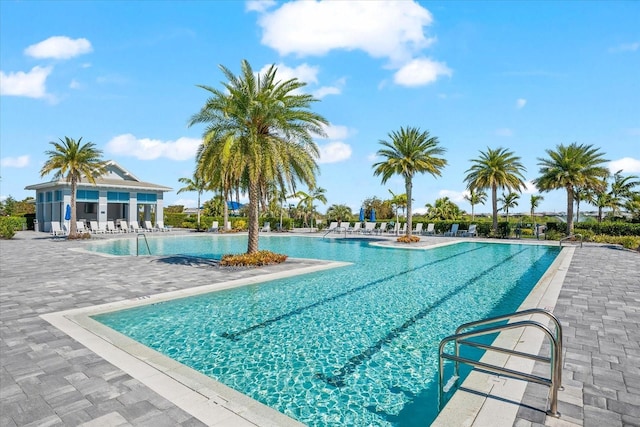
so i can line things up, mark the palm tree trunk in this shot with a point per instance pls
(254, 228)
(408, 188)
(569, 210)
(73, 227)
(199, 210)
(473, 215)
(494, 206)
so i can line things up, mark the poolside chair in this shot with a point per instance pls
(95, 228)
(381, 229)
(266, 227)
(149, 227)
(333, 225)
(402, 229)
(134, 227)
(471, 232)
(344, 226)
(357, 227)
(431, 230)
(369, 227)
(80, 228)
(56, 230)
(161, 227)
(124, 227)
(111, 227)
(417, 229)
(214, 227)
(453, 231)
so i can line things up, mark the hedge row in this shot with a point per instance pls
(9, 225)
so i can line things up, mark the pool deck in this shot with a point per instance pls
(48, 379)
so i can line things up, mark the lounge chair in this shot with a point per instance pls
(111, 227)
(332, 226)
(124, 227)
(369, 227)
(453, 231)
(102, 226)
(214, 227)
(357, 227)
(403, 229)
(56, 230)
(134, 227)
(471, 232)
(149, 227)
(161, 227)
(266, 227)
(381, 229)
(431, 230)
(344, 226)
(80, 228)
(95, 228)
(418, 229)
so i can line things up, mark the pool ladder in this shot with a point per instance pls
(335, 229)
(138, 243)
(571, 238)
(486, 327)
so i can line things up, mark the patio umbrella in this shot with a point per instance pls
(67, 215)
(361, 214)
(372, 215)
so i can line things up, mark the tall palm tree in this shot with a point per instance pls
(535, 203)
(408, 152)
(509, 201)
(339, 213)
(495, 168)
(581, 194)
(443, 209)
(74, 161)
(307, 200)
(266, 127)
(398, 201)
(621, 190)
(568, 167)
(475, 197)
(194, 184)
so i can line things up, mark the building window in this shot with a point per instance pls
(49, 196)
(114, 196)
(147, 197)
(57, 196)
(87, 195)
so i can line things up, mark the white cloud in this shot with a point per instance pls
(59, 47)
(303, 72)
(15, 162)
(334, 152)
(504, 132)
(420, 71)
(530, 188)
(520, 103)
(31, 84)
(326, 90)
(626, 47)
(259, 5)
(382, 29)
(626, 164)
(150, 149)
(336, 131)
(75, 84)
(187, 203)
(454, 196)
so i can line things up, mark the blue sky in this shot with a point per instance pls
(523, 75)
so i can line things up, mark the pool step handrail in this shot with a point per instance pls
(138, 243)
(487, 326)
(335, 230)
(570, 237)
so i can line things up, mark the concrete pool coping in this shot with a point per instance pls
(218, 405)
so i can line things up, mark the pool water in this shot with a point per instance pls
(355, 345)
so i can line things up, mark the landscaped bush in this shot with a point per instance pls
(9, 225)
(252, 260)
(629, 242)
(611, 228)
(408, 239)
(174, 219)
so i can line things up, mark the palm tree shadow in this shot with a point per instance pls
(190, 261)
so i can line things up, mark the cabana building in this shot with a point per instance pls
(117, 195)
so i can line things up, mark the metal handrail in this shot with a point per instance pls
(331, 230)
(555, 360)
(138, 243)
(571, 236)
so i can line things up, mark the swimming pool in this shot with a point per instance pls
(351, 346)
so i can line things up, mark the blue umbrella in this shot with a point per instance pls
(372, 215)
(361, 214)
(67, 213)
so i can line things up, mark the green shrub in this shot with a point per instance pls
(611, 228)
(9, 225)
(629, 242)
(252, 260)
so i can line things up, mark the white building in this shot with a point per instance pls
(117, 195)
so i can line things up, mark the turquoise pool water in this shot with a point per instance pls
(355, 345)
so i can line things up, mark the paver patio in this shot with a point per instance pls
(47, 378)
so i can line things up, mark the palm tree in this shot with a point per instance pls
(535, 202)
(582, 194)
(475, 197)
(398, 201)
(339, 213)
(74, 161)
(307, 199)
(194, 184)
(621, 190)
(443, 209)
(509, 201)
(263, 127)
(602, 200)
(568, 167)
(409, 152)
(495, 168)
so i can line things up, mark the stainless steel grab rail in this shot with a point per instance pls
(460, 338)
(334, 229)
(570, 237)
(138, 243)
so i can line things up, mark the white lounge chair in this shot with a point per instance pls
(369, 227)
(214, 227)
(56, 230)
(161, 227)
(418, 228)
(266, 227)
(134, 227)
(344, 226)
(124, 227)
(453, 231)
(381, 229)
(111, 227)
(149, 227)
(333, 225)
(356, 228)
(80, 228)
(471, 232)
(431, 230)
(402, 229)
(95, 228)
